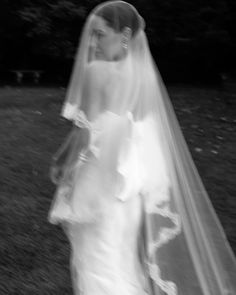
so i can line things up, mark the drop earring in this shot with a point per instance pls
(125, 45)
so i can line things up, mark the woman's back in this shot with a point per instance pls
(108, 86)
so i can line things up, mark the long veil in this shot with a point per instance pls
(186, 249)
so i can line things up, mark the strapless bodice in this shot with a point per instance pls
(103, 126)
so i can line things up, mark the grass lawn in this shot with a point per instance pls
(34, 255)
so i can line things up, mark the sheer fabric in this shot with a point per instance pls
(138, 149)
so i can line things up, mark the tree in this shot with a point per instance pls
(184, 35)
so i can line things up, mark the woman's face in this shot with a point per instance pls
(106, 44)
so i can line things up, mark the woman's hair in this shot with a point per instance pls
(120, 14)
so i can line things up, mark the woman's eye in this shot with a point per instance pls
(100, 35)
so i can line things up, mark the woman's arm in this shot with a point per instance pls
(78, 137)
(67, 154)
(89, 108)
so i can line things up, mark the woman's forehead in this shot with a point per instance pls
(98, 23)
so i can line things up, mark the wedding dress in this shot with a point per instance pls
(106, 258)
(133, 205)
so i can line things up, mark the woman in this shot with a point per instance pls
(128, 194)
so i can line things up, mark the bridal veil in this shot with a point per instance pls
(186, 249)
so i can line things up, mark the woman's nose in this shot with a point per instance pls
(93, 47)
(93, 42)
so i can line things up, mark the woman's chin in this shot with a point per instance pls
(102, 56)
(99, 56)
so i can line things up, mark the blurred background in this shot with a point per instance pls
(191, 41)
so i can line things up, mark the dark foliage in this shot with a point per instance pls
(190, 40)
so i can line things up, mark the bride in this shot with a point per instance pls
(128, 194)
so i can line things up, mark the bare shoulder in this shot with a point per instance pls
(98, 70)
(99, 75)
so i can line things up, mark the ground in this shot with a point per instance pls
(34, 254)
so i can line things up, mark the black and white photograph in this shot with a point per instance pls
(117, 147)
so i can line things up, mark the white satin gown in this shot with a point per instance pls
(102, 221)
